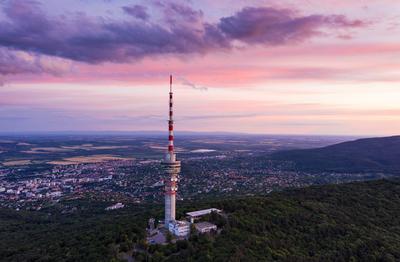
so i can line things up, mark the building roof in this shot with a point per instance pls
(202, 212)
(179, 223)
(204, 225)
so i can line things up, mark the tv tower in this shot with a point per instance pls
(171, 166)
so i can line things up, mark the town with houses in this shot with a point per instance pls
(137, 181)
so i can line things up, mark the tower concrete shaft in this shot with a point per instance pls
(171, 166)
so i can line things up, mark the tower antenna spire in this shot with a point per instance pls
(170, 83)
(171, 122)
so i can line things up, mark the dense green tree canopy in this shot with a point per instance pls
(348, 222)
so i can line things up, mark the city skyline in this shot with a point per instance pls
(271, 67)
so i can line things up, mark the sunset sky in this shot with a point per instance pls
(272, 67)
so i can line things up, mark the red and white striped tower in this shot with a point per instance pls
(171, 166)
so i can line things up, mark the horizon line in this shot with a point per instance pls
(127, 132)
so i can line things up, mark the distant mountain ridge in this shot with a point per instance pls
(362, 155)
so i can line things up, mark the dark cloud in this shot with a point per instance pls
(180, 13)
(97, 39)
(137, 11)
(278, 26)
(12, 63)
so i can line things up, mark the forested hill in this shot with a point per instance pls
(348, 222)
(363, 155)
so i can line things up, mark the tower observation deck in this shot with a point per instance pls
(171, 166)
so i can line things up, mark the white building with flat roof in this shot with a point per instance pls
(197, 214)
(205, 227)
(179, 228)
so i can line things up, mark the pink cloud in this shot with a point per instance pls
(183, 31)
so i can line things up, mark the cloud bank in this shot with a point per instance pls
(180, 30)
(138, 11)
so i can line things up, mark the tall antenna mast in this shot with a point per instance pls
(171, 166)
